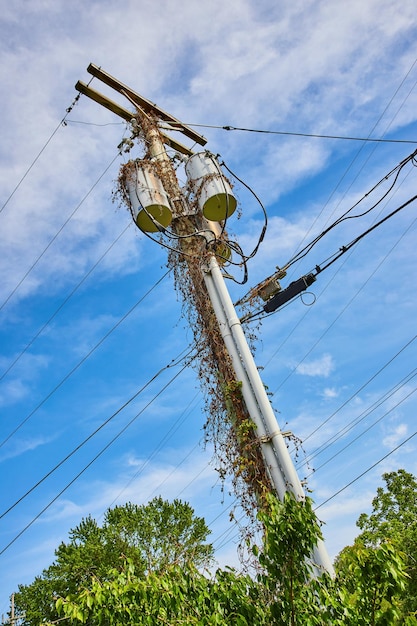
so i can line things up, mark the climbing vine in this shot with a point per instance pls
(228, 426)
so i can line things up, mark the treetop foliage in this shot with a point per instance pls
(149, 565)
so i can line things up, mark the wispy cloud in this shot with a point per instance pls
(321, 367)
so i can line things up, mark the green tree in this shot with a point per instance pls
(394, 518)
(159, 533)
(370, 583)
(152, 536)
(365, 592)
(167, 585)
(291, 533)
(178, 595)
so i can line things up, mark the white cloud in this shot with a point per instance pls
(392, 439)
(330, 392)
(322, 366)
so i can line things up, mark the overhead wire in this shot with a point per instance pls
(308, 135)
(34, 264)
(171, 431)
(362, 417)
(356, 156)
(63, 303)
(342, 311)
(86, 467)
(371, 467)
(259, 314)
(325, 264)
(171, 364)
(357, 391)
(84, 359)
(35, 160)
(346, 215)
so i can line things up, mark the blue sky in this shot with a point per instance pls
(78, 336)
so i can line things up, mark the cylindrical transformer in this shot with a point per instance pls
(148, 199)
(210, 186)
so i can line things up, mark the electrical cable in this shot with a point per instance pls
(361, 149)
(63, 303)
(78, 365)
(304, 251)
(265, 226)
(308, 135)
(94, 124)
(61, 123)
(345, 216)
(367, 470)
(187, 456)
(361, 388)
(68, 485)
(365, 415)
(329, 261)
(344, 249)
(171, 431)
(172, 363)
(57, 233)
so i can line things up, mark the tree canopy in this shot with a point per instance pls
(394, 518)
(152, 536)
(149, 565)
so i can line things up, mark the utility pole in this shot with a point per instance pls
(258, 454)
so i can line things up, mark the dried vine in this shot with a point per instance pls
(228, 425)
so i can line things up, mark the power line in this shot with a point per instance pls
(356, 422)
(361, 388)
(75, 368)
(33, 520)
(58, 233)
(346, 248)
(173, 363)
(175, 426)
(346, 215)
(367, 470)
(362, 147)
(309, 135)
(61, 123)
(63, 303)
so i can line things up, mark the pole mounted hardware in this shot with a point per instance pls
(139, 101)
(157, 203)
(290, 292)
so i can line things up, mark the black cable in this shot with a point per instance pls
(61, 123)
(362, 147)
(33, 520)
(63, 303)
(265, 226)
(173, 363)
(345, 249)
(74, 369)
(312, 135)
(58, 233)
(345, 216)
(367, 470)
(328, 262)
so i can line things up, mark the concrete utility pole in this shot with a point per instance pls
(199, 234)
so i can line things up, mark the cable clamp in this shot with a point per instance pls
(267, 438)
